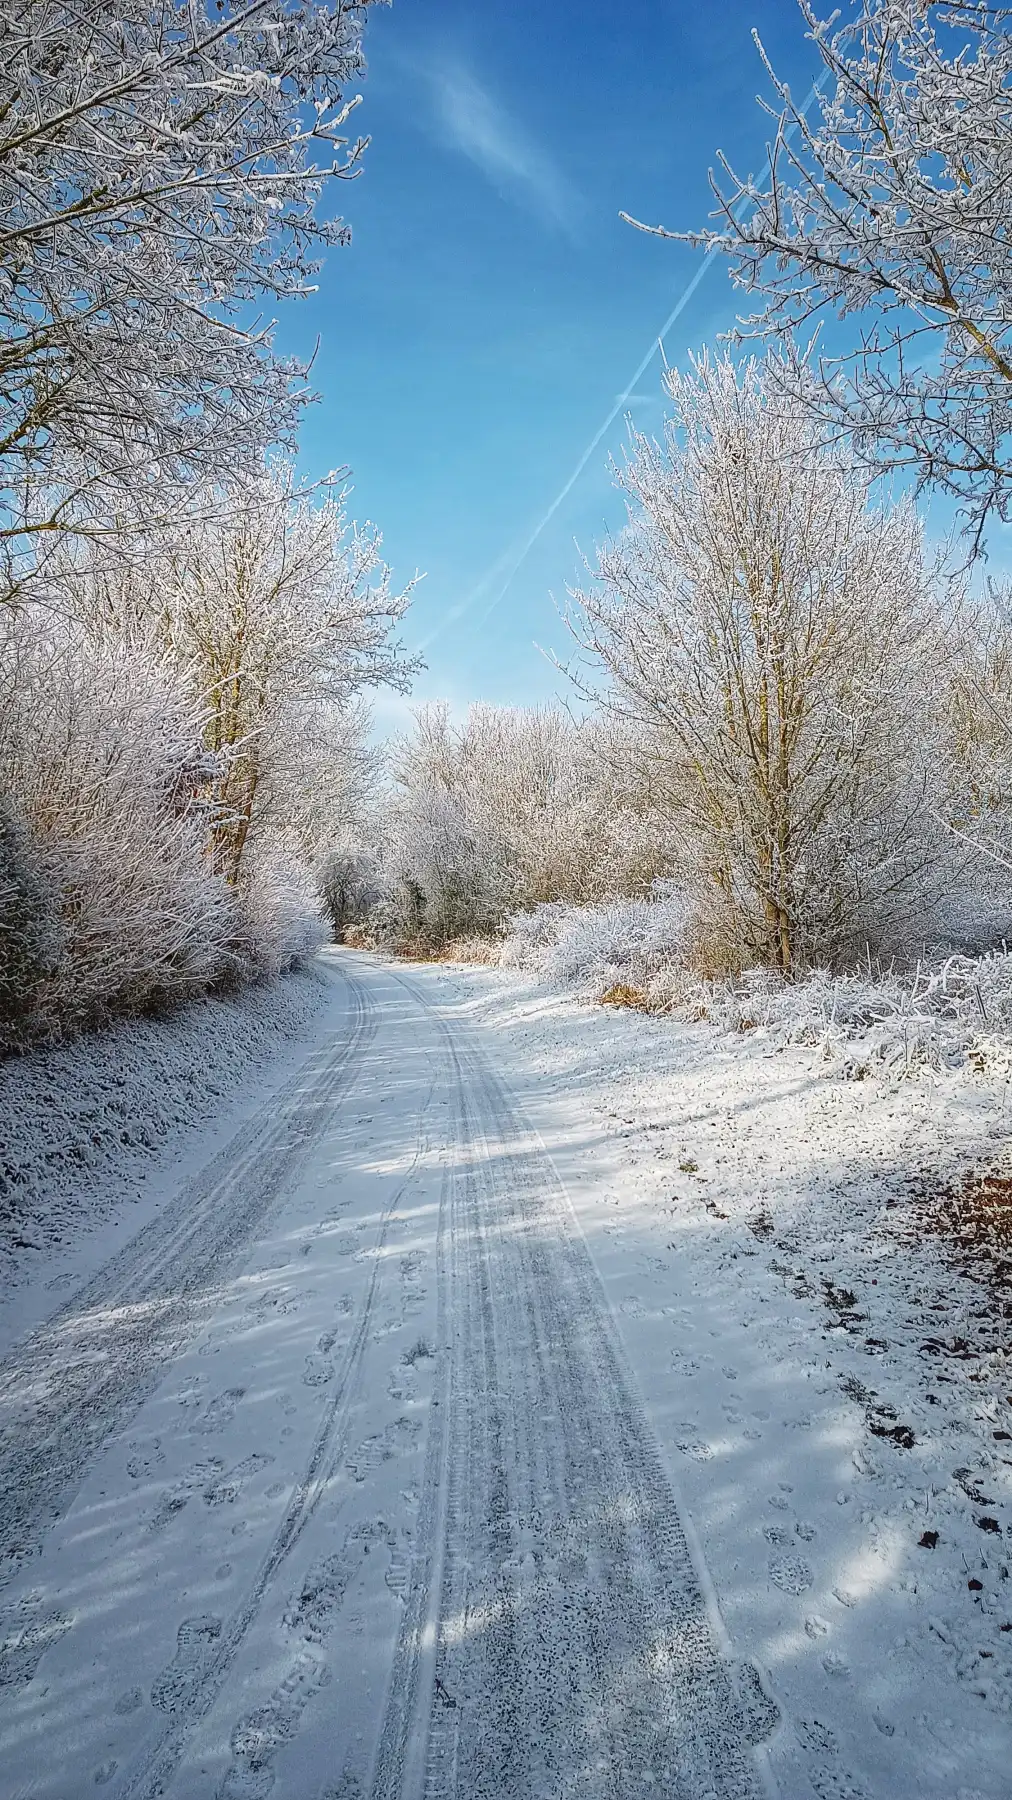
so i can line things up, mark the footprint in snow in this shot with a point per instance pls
(320, 1365)
(791, 1574)
(226, 1488)
(178, 1497)
(27, 1631)
(312, 1611)
(181, 1679)
(835, 1784)
(318, 1370)
(258, 1736)
(691, 1444)
(397, 1437)
(320, 1596)
(146, 1458)
(778, 1535)
(401, 1383)
(220, 1411)
(815, 1737)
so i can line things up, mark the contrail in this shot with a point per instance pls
(518, 560)
(514, 561)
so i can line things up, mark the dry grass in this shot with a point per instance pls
(482, 951)
(622, 994)
(357, 937)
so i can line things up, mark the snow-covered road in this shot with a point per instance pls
(334, 1481)
(349, 1476)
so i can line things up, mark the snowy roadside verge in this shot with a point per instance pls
(830, 1380)
(90, 1125)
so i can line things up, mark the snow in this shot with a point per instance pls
(489, 1404)
(735, 1196)
(91, 1128)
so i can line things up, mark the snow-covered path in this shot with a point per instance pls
(349, 1477)
(334, 1482)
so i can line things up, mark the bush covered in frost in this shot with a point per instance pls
(279, 923)
(932, 1015)
(591, 948)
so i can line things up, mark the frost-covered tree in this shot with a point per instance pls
(350, 882)
(180, 742)
(980, 810)
(279, 612)
(777, 640)
(161, 171)
(892, 200)
(514, 807)
(115, 904)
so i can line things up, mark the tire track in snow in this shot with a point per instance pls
(78, 1378)
(556, 1637)
(153, 1773)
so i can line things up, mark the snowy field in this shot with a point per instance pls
(501, 1395)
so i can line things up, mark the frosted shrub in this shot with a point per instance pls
(926, 1018)
(931, 1016)
(593, 948)
(279, 918)
(30, 932)
(530, 935)
(101, 751)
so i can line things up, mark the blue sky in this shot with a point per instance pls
(493, 306)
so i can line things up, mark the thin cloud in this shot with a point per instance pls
(476, 125)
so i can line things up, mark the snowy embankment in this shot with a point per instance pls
(817, 1305)
(84, 1126)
